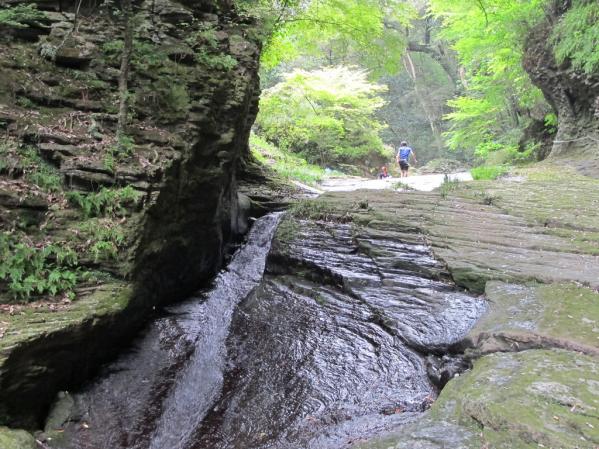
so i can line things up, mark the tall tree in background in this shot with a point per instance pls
(125, 66)
(499, 98)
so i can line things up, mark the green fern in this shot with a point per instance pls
(27, 270)
(18, 16)
(576, 36)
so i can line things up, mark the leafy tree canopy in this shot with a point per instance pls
(488, 36)
(366, 32)
(327, 116)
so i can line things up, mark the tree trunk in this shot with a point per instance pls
(125, 65)
(411, 70)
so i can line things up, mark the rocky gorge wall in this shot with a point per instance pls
(572, 93)
(143, 221)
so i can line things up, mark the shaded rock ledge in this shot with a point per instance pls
(187, 141)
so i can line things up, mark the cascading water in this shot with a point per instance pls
(157, 395)
(326, 348)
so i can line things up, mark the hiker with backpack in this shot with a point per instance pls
(403, 158)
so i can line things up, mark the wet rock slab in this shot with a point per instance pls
(331, 347)
(533, 250)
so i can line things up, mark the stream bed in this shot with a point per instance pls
(325, 348)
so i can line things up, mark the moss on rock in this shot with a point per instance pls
(527, 399)
(16, 439)
(537, 315)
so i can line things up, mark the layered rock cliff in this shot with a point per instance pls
(144, 220)
(572, 92)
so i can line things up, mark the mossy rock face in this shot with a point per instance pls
(528, 399)
(525, 400)
(537, 315)
(16, 439)
(167, 244)
(44, 350)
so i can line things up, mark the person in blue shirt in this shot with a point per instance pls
(403, 158)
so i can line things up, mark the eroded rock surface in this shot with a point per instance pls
(194, 97)
(535, 352)
(331, 347)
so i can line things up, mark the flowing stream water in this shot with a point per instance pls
(328, 347)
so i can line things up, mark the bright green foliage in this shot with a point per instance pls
(576, 36)
(287, 165)
(489, 172)
(27, 270)
(327, 116)
(19, 15)
(368, 31)
(106, 237)
(489, 37)
(494, 153)
(106, 202)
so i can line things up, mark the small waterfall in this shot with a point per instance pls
(200, 383)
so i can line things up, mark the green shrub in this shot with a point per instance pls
(216, 61)
(25, 102)
(46, 178)
(106, 202)
(27, 270)
(496, 153)
(489, 172)
(165, 95)
(204, 43)
(399, 185)
(121, 150)
(108, 161)
(18, 16)
(145, 55)
(287, 165)
(448, 186)
(326, 116)
(37, 171)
